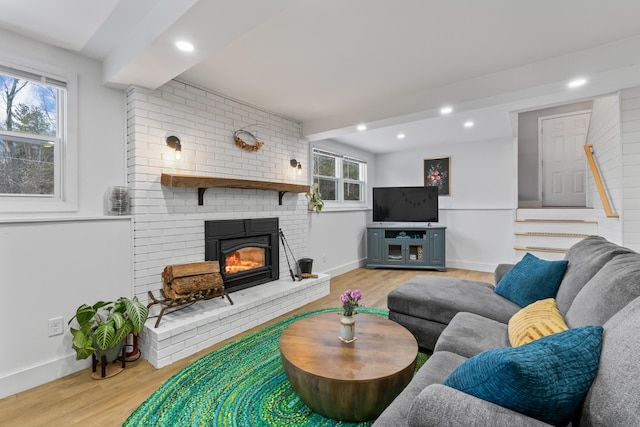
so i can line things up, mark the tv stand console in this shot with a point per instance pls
(406, 247)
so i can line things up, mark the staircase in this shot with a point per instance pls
(549, 232)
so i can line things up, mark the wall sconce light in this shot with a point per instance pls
(174, 143)
(296, 164)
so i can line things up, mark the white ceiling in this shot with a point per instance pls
(332, 64)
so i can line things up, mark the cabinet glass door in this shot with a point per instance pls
(393, 253)
(415, 253)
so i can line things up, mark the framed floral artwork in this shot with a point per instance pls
(437, 173)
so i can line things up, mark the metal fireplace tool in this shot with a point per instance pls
(286, 247)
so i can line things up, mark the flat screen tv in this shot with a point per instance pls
(405, 204)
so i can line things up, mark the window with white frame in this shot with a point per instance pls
(32, 139)
(341, 179)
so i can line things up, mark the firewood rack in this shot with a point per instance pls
(168, 303)
(188, 283)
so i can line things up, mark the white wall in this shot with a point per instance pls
(337, 241)
(479, 212)
(48, 270)
(53, 264)
(631, 167)
(604, 134)
(337, 238)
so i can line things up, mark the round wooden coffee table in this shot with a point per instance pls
(348, 382)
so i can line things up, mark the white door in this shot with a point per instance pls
(563, 160)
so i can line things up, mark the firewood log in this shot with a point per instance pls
(174, 271)
(193, 284)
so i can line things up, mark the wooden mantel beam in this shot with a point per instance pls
(204, 182)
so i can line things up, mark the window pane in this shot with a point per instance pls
(28, 161)
(339, 178)
(28, 107)
(324, 165)
(351, 170)
(327, 188)
(26, 166)
(351, 191)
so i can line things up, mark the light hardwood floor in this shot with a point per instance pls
(78, 400)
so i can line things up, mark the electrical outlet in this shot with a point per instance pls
(56, 326)
(324, 257)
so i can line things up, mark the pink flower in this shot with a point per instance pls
(350, 300)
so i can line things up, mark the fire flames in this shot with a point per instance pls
(244, 259)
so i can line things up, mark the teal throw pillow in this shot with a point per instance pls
(531, 280)
(545, 379)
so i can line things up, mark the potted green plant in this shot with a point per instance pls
(105, 325)
(315, 202)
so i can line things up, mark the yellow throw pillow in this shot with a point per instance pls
(536, 320)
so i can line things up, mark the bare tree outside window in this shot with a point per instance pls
(28, 134)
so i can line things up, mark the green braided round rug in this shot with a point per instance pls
(240, 384)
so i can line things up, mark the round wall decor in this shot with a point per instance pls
(253, 145)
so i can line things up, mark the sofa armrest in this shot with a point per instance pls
(500, 271)
(439, 405)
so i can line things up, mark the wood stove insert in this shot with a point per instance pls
(247, 250)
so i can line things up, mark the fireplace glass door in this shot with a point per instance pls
(244, 259)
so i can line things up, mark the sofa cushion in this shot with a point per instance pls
(500, 271)
(426, 332)
(612, 288)
(613, 399)
(585, 259)
(441, 406)
(545, 379)
(535, 321)
(434, 371)
(531, 279)
(440, 298)
(469, 334)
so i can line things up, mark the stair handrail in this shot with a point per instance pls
(588, 149)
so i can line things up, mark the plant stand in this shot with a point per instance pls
(107, 370)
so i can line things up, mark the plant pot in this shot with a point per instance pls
(111, 354)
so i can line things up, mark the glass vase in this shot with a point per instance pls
(118, 201)
(347, 328)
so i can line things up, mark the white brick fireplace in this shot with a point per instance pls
(169, 223)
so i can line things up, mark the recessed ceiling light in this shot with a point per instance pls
(446, 110)
(577, 83)
(362, 127)
(184, 46)
(400, 135)
(468, 124)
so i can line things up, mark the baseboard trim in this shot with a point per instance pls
(345, 268)
(42, 374)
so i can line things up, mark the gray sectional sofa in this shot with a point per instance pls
(459, 319)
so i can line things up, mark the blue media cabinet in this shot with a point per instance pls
(406, 247)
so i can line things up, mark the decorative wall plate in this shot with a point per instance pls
(253, 145)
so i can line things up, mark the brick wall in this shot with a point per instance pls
(168, 223)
